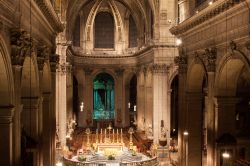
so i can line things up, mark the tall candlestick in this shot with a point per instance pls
(117, 136)
(96, 137)
(113, 135)
(101, 137)
(121, 136)
(105, 132)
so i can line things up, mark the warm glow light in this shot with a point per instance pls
(178, 42)
(197, 11)
(59, 164)
(81, 106)
(210, 3)
(135, 108)
(225, 155)
(185, 133)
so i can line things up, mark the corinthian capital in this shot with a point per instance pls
(42, 55)
(21, 45)
(211, 55)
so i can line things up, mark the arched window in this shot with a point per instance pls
(76, 33)
(132, 33)
(104, 30)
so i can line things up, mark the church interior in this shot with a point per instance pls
(125, 82)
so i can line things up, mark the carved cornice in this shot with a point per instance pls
(203, 16)
(42, 56)
(49, 12)
(21, 45)
(211, 55)
(160, 68)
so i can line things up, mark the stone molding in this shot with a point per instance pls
(49, 12)
(21, 45)
(6, 114)
(207, 14)
(160, 68)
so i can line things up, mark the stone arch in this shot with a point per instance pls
(110, 72)
(194, 115)
(30, 77)
(230, 67)
(195, 76)
(6, 76)
(75, 7)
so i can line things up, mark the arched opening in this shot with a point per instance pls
(195, 116)
(132, 33)
(104, 30)
(76, 33)
(103, 97)
(174, 109)
(242, 115)
(132, 101)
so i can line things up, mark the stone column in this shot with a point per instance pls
(47, 147)
(6, 124)
(17, 69)
(160, 88)
(182, 77)
(140, 99)
(30, 116)
(69, 92)
(53, 65)
(119, 95)
(86, 115)
(194, 128)
(148, 96)
(210, 110)
(61, 103)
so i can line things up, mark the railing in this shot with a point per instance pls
(151, 162)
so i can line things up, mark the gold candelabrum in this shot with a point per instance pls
(88, 132)
(130, 131)
(106, 135)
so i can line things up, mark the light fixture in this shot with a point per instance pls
(59, 164)
(128, 104)
(210, 3)
(185, 133)
(135, 108)
(225, 155)
(178, 42)
(81, 106)
(197, 11)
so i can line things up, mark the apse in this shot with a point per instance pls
(104, 97)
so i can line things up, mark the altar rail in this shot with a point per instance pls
(151, 162)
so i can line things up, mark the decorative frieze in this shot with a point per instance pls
(208, 14)
(211, 55)
(21, 46)
(160, 68)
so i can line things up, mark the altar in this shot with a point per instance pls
(108, 149)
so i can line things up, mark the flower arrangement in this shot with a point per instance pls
(111, 157)
(82, 158)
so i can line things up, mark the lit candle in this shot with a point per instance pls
(129, 105)
(113, 135)
(117, 135)
(135, 108)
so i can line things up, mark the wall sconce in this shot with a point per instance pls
(225, 155)
(185, 133)
(81, 106)
(135, 108)
(178, 42)
(129, 105)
